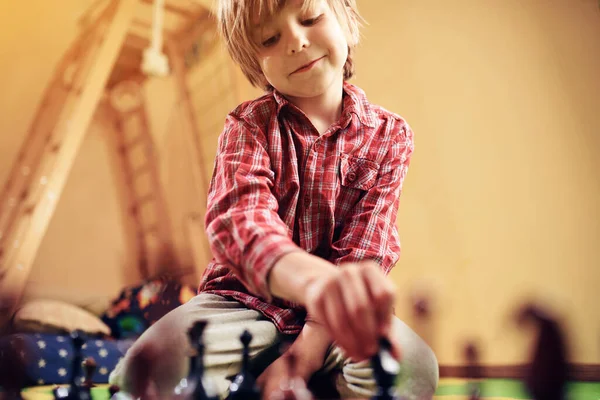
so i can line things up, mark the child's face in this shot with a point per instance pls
(302, 54)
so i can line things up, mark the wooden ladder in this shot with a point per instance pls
(39, 174)
(144, 197)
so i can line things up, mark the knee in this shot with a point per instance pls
(159, 355)
(418, 377)
(419, 373)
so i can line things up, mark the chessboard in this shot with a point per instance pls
(546, 378)
(448, 389)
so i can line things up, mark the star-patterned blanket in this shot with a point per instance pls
(48, 357)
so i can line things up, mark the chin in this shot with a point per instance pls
(309, 88)
(306, 92)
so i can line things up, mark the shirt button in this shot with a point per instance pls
(306, 199)
(351, 177)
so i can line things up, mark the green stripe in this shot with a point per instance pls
(515, 389)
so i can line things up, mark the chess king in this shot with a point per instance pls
(301, 216)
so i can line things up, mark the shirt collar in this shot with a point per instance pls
(354, 102)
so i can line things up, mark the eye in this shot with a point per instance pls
(311, 21)
(270, 41)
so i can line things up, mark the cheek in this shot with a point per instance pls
(270, 66)
(336, 40)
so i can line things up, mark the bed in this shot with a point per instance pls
(39, 351)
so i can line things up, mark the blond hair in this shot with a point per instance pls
(235, 22)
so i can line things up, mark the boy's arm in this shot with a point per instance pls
(243, 227)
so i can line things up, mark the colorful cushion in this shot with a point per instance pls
(57, 317)
(47, 358)
(138, 307)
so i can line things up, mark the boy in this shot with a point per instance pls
(301, 214)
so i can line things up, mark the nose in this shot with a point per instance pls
(297, 41)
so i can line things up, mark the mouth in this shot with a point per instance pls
(306, 67)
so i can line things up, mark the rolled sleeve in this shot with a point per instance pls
(243, 227)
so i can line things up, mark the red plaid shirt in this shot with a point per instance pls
(278, 186)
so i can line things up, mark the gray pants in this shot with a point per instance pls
(227, 319)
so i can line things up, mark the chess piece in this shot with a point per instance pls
(474, 372)
(74, 391)
(423, 306)
(112, 390)
(385, 370)
(115, 393)
(244, 385)
(204, 388)
(196, 385)
(547, 374)
(89, 366)
(77, 391)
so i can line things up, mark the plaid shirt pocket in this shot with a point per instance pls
(358, 173)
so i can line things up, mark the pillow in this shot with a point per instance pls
(53, 316)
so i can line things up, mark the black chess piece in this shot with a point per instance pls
(89, 366)
(474, 372)
(547, 374)
(115, 393)
(112, 390)
(385, 370)
(244, 385)
(196, 386)
(203, 389)
(74, 391)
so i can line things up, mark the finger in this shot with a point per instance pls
(382, 296)
(395, 349)
(337, 320)
(360, 317)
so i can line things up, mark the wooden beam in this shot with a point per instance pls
(88, 15)
(16, 271)
(181, 11)
(136, 42)
(148, 26)
(48, 115)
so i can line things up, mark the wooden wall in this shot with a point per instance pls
(502, 201)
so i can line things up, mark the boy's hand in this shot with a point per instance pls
(277, 376)
(354, 302)
(309, 349)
